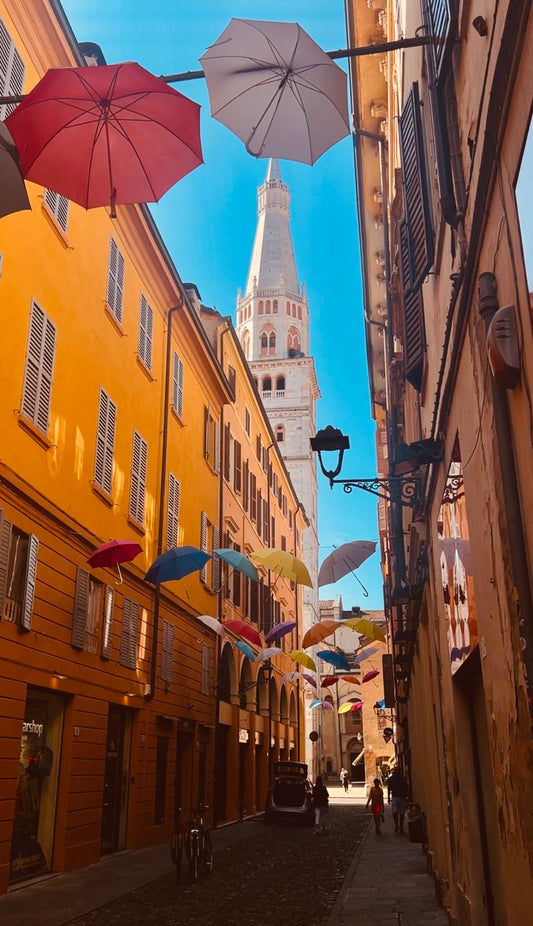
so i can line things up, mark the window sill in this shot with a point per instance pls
(114, 320)
(145, 369)
(136, 525)
(34, 432)
(102, 494)
(177, 417)
(50, 217)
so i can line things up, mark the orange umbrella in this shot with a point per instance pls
(354, 679)
(319, 632)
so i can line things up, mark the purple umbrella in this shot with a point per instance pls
(279, 630)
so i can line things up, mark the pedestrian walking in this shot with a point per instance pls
(375, 798)
(398, 791)
(320, 804)
(345, 778)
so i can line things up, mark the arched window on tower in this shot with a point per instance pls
(294, 309)
(288, 308)
(280, 433)
(275, 306)
(264, 344)
(299, 311)
(272, 343)
(267, 387)
(245, 344)
(261, 307)
(280, 386)
(293, 342)
(268, 307)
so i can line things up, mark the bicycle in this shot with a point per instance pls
(176, 844)
(197, 843)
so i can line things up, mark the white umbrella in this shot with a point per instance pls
(344, 559)
(212, 623)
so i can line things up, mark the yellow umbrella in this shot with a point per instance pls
(285, 564)
(365, 627)
(319, 632)
(303, 658)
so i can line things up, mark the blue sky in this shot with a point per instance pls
(208, 223)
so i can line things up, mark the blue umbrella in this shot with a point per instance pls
(239, 561)
(246, 649)
(175, 564)
(336, 659)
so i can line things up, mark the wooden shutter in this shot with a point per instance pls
(246, 485)
(81, 603)
(203, 543)
(440, 17)
(105, 442)
(29, 582)
(177, 392)
(138, 478)
(227, 452)
(259, 519)
(37, 389)
(146, 325)
(207, 432)
(5, 543)
(413, 312)
(416, 190)
(167, 652)
(216, 447)
(129, 634)
(115, 280)
(58, 206)
(253, 496)
(107, 629)
(215, 569)
(237, 581)
(11, 71)
(237, 470)
(173, 511)
(205, 677)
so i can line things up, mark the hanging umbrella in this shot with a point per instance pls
(114, 552)
(279, 630)
(336, 659)
(106, 135)
(303, 658)
(212, 623)
(276, 89)
(310, 679)
(239, 561)
(319, 632)
(365, 654)
(370, 675)
(175, 564)
(365, 627)
(268, 653)
(325, 705)
(284, 564)
(343, 560)
(344, 708)
(291, 677)
(247, 650)
(244, 629)
(354, 679)
(329, 680)
(13, 197)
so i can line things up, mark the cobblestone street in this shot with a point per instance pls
(266, 875)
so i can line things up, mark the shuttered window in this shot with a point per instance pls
(413, 317)
(205, 676)
(58, 206)
(129, 634)
(259, 518)
(11, 71)
(215, 575)
(107, 629)
(139, 459)
(237, 468)
(216, 446)
(89, 599)
(253, 496)
(416, 190)
(245, 485)
(203, 542)
(207, 432)
(115, 280)
(167, 652)
(173, 511)
(18, 570)
(440, 18)
(266, 523)
(105, 442)
(39, 369)
(227, 452)
(177, 391)
(146, 331)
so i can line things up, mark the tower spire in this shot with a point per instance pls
(272, 264)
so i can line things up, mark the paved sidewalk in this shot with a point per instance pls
(387, 882)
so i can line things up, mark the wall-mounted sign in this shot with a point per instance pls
(244, 736)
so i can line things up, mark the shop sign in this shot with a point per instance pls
(244, 736)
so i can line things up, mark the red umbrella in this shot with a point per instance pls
(243, 629)
(114, 552)
(329, 680)
(370, 675)
(106, 135)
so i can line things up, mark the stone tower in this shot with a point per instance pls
(273, 328)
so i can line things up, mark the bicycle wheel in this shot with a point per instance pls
(207, 852)
(194, 854)
(176, 852)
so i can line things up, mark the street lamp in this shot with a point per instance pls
(401, 487)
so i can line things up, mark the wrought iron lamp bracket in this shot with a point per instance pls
(403, 491)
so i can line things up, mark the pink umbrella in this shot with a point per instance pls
(370, 675)
(114, 552)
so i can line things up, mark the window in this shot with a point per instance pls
(237, 466)
(211, 440)
(267, 385)
(209, 540)
(253, 496)
(146, 331)
(203, 543)
(275, 306)
(173, 511)
(246, 485)
(93, 603)
(232, 379)
(419, 230)
(18, 568)
(39, 369)
(58, 206)
(280, 433)
(11, 71)
(245, 343)
(167, 653)
(138, 478)
(177, 385)
(105, 442)
(266, 523)
(130, 634)
(283, 542)
(227, 452)
(247, 422)
(264, 343)
(293, 342)
(267, 307)
(259, 519)
(280, 385)
(115, 280)
(160, 779)
(413, 318)
(272, 343)
(205, 678)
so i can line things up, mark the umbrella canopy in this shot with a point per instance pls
(349, 706)
(239, 561)
(336, 659)
(284, 564)
(175, 564)
(114, 552)
(106, 135)
(292, 676)
(13, 196)
(310, 679)
(244, 629)
(365, 627)
(246, 649)
(368, 676)
(343, 560)
(212, 623)
(279, 630)
(325, 705)
(319, 632)
(329, 680)
(303, 658)
(354, 679)
(268, 653)
(365, 654)
(276, 89)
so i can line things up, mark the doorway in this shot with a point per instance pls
(116, 778)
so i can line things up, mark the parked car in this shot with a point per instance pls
(290, 795)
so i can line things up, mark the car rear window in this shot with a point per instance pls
(289, 793)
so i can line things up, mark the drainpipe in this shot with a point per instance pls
(162, 487)
(488, 306)
(296, 614)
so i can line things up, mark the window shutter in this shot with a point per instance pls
(245, 485)
(216, 448)
(207, 432)
(79, 616)
(203, 543)
(266, 525)
(173, 511)
(237, 471)
(205, 675)
(177, 390)
(167, 652)
(107, 630)
(138, 478)
(58, 206)
(259, 511)
(29, 583)
(146, 325)
(128, 637)
(413, 311)
(11, 71)
(416, 191)
(37, 389)
(5, 543)
(227, 451)
(115, 280)
(440, 18)
(215, 575)
(105, 442)
(253, 496)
